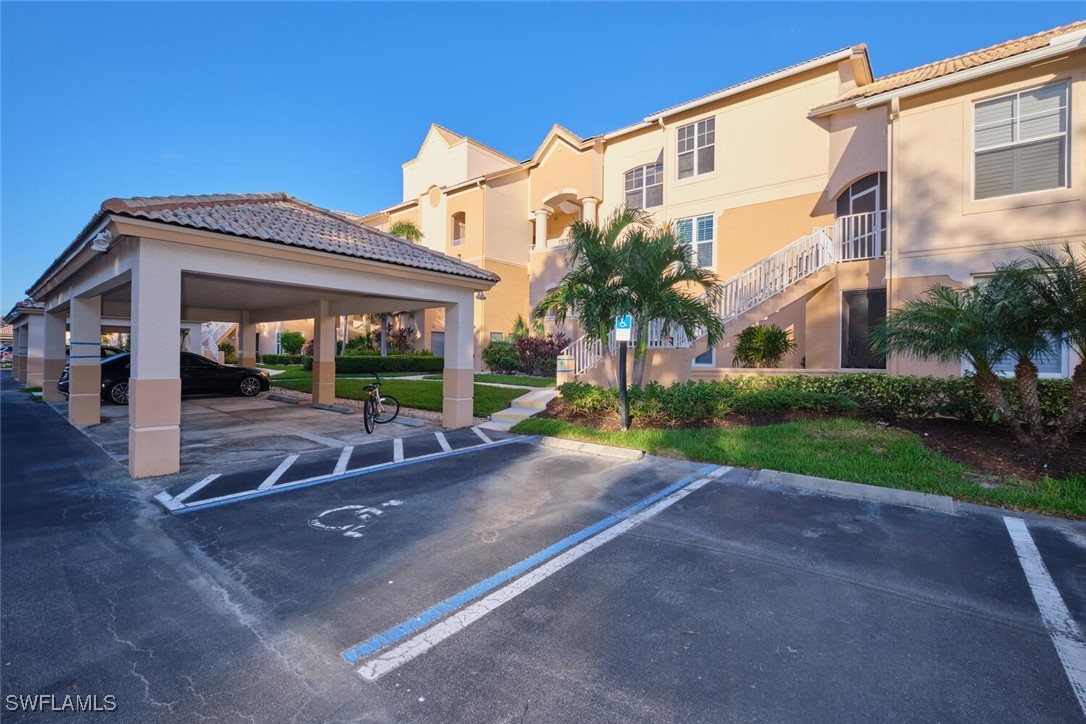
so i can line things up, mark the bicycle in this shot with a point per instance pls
(378, 408)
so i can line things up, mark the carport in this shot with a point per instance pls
(245, 258)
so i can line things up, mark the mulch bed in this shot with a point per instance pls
(988, 449)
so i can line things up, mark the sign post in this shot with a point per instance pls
(623, 335)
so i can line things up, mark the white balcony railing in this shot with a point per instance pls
(861, 236)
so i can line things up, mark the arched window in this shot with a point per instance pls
(645, 186)
(863, 197)
(459, 228)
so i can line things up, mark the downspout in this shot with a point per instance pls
(891, 215)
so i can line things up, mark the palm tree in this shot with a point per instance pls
(1059, 280)
(592, 285)
(949, 325)
(1020, 317)
(661, 281)
(406, 230)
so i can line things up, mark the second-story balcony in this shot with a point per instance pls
(860, 236)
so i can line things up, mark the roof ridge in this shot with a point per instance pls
(119, 204)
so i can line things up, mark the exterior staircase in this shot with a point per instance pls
(523, 407)
(798, 268)
(213, 333)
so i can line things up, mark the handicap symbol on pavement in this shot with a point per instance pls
(350, 519)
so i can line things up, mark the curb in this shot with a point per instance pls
(592, 448)
(893, 496)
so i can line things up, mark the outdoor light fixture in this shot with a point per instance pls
(101, 241)
(480, 296)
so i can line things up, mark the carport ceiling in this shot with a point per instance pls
(228, 293)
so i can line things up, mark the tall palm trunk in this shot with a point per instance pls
(640, 348)
(992, 391)
(1075, 415)
(1025, 380)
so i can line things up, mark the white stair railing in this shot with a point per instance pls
(851, 238)
(212, 333)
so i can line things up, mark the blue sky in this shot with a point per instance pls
(325, 101)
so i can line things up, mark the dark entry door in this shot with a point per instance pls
(863, 310)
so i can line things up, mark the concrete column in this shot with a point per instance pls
(589, 205)
(55, 327)
(324, 355)
(459, 383)
(85, 359)
(34, 363)
(154, 388)
(18, 354)
(541, 216)
(246, 341)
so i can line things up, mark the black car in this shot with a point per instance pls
(199, 376)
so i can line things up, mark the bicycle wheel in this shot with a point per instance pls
(367, 415)
(387, 409)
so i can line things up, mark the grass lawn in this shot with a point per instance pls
(840, 449)
(297, 372)
(523, 380)
(411, 393)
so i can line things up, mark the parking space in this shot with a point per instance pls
(275, 474)
(220, 432)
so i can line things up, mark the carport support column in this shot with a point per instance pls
(85, 373)
(18, 354)
(459, 384)
(154, 392)
(324, 355)
(246, 341)
(55, 325)
(34, 360)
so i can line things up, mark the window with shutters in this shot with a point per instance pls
(645, 186)
(697, 148)
(698, 232)
(1020, 142)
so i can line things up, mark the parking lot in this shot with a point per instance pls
(519, 582)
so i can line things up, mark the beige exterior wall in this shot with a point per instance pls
(939, 232)
(748, 234)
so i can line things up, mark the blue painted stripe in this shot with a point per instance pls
(351, 474)
(394, 634)
(84, 356)
(95, 344)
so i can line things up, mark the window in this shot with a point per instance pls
(697, 148)
(706, 358)
(497, 336)
(459, 228)
(698, 233)
(863, 197)
(1020, 142)
(645, 186)
(1049, 364)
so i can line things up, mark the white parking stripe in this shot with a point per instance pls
(443, 442)
(344, 458)
(277, 473)
(482, 435)
(1066, 636)
(194, 487)
(423, 642)
(397, 450)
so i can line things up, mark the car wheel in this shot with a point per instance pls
(118, 393)
(249, 387)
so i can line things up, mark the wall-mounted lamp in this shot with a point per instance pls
(480, 296)
(101, 241)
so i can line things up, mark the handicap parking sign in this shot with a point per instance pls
(624, 328)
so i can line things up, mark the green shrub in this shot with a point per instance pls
(280, 359)
(699, 402)
(291, 342)
(786, 400)
(500, 357)
(392, 363)
(763, 346)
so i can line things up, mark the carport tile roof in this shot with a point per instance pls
(283, 219)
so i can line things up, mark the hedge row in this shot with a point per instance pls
(391, 363)
(280, 359)
(688, 402)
